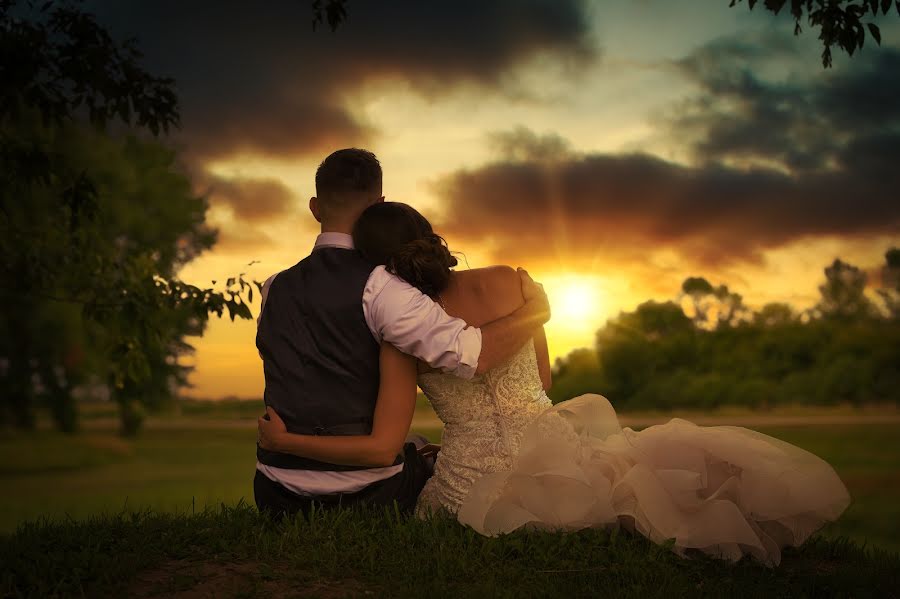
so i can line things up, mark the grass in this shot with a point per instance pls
(235, 552)
(224, 409)
(58, 476)
(75, 516)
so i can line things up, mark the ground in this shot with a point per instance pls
(179, 466)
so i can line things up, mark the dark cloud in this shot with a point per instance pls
(253, 200)
(585, 205)
(745, 112)
(254, 77)
(247, 242)
(524, 144)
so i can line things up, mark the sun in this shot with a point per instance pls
(576, 301)
(573, 300)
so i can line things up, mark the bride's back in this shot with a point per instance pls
(484, 418)
(482, 295)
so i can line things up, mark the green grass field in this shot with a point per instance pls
(204, 462)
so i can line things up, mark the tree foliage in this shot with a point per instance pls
(841, 23)
(844, 349)
(94, 226)
(333, 12)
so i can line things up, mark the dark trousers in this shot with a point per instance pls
(402, 488)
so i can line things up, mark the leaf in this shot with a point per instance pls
(875, 31)
(775, 5)
(826, 57)
(244, 312)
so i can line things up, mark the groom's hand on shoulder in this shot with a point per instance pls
(535, 296)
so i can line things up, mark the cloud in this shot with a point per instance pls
(524, 144)
(748, 109)
(255, 78)
(252, 200)
(587, 205)
(776, 158)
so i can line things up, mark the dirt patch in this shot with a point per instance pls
(193, 579)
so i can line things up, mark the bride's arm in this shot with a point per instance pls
(542, 352)
(390, 425)
(543, 358)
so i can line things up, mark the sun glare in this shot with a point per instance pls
(574, 300)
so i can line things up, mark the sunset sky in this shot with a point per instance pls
(613, 148)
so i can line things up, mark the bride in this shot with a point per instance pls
(511, 459)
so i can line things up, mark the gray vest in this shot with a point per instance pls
(320, 360)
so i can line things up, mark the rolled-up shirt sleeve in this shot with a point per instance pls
(411, 321)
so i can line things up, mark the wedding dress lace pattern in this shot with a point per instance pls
(510, 460)
(484, 420)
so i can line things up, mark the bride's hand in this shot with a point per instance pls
(270, 429)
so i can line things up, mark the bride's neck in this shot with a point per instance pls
(448, 290)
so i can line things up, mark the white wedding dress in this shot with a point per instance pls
(510, 459)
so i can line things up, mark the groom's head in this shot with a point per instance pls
(347, 182)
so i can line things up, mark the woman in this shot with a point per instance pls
(510, 459)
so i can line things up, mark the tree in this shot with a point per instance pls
(93, 227)
(843, 293)
(840, 22)
(890, 283)
(712, 307)
(334, 12)
(635, 347)
(576, 374)
(774, 314)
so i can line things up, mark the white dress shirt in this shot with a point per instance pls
(400, 314)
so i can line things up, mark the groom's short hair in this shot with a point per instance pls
(348, 170)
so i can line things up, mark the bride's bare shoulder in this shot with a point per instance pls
(499, 283)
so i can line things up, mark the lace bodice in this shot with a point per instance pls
(484, 419)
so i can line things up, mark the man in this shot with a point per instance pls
(320, 327)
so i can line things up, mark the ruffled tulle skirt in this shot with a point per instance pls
(722, 490)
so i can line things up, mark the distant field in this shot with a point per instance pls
(182, 463)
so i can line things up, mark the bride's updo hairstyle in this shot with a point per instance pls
(397, 236)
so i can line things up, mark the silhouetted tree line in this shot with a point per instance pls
(706, 349)
(96, 218)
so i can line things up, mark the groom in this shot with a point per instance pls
(319, 331)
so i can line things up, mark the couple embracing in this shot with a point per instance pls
(377, 310)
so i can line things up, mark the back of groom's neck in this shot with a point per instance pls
(337, 228)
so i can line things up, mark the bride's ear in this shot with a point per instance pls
(314, 208)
